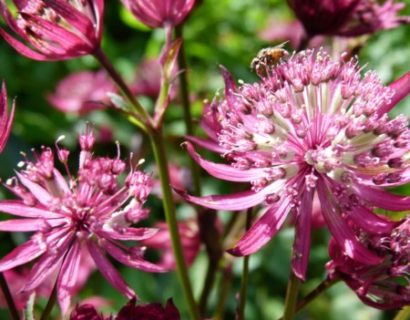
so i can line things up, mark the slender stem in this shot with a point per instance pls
(291, 297)
(208, 284)
(9, 298)
(223, 292)
(158, 147)
(106, 63)
(186, 104)
(50, 304)
(403, 314)
(245, 275)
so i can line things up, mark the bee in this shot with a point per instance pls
(268, 57)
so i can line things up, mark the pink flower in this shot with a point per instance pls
(54, 29)
(147, 81)
(311, 125)
(160, 13)
(6, 119)
(383, 286)
(347, 17)
(282, 30)
(82, 92)
(130, 311)
(190, 241)
(91, 212)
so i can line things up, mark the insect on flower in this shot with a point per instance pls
(268, 57)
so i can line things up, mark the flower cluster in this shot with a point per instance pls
(92, 212)
(386, 285)
(54, 29)
(312, 125)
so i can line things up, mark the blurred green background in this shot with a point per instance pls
(217, 32)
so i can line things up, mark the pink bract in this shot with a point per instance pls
(160, 13)
(311, 125)
(6, 119)
(347, 17)
(54, 29)
(92, 212)
(82, 92)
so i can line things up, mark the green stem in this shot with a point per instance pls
(245, 275)
(158, 147)
(223, 292)
(9, 298)
(50, 304)
(291, 297)
(403, 314)
(144, 118)
(186, 105)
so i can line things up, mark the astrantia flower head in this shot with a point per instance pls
(92, 212)
(82, 92)
(386, 285)
(54, 29)
(160, 13)
(6, 119)
(311, 125)
(347, 17)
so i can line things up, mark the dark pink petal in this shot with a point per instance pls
(22, 48)
(18, 208)
(342, 233)
(22, 254)
(128, 260)
(41, 194)
(68, 277)
(25, 225)
(5, 120)
(108, 270)
(226, 172)
(383, 199)
(129, 234)
(402, 88)
(371, 222)
(74, 17)
(301, 246)
(263, 230)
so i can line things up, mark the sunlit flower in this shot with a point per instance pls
(82, 92)
(347, 17)
(312, 125)
(6, 119)
(160, 13)
(91, 212)
(54, 29)
(383, 286)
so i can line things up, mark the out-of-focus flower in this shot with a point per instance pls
(160, 13)
(6, 119)
(54, 29)
(385, 285)
(82, 92)
(130, 311)
(282, 30)
(312, 124)
(147, 80)
(180, 179)
(347, 17)
(190, 241)
(91, 212)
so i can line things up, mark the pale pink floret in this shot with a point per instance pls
(6, 119)
(91, 212)
(82, 92)
(54, 29)
(160, 13)
(311, 125)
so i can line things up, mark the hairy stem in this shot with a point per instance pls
(158, 147)
(245, 275)
(9, 298)
(291, 297)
